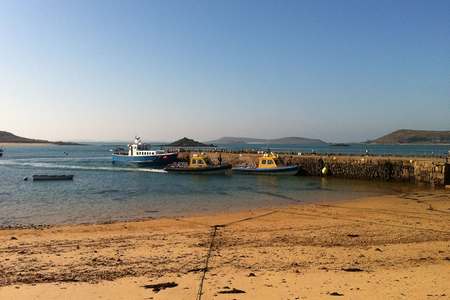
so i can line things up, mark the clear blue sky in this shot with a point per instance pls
(336, 70)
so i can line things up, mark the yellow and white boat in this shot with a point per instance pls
(198, 164)
(268, 164)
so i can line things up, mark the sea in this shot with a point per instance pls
(102, 192)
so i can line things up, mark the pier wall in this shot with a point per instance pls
(430, 171)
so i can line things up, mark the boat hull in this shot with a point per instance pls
(52, 177)
(160, 160)
(279, 171)
(221, 169)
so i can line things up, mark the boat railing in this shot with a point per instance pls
(120, 151)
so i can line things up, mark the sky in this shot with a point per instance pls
(341, 71)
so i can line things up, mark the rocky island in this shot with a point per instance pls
(186, 142)
(408, 136)
(8, 137)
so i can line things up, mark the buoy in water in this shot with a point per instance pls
(324, 171)
(25, 179)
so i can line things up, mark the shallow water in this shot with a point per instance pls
(102, 192)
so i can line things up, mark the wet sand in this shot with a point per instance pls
(383, 247)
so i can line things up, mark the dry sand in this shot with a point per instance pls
(386, 247)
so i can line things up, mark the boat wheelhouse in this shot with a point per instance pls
(141, 154)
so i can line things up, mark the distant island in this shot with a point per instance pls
(186, 142)
(8, 137)
(408, 136)
(279, 141)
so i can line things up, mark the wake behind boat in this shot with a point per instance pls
(141, 155)
(268, 164)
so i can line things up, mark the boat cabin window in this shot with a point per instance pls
(269, 162)
(198, 162)
(263, 162)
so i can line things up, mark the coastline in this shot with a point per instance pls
(391, 246)
(39, 144)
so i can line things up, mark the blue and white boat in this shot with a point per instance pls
(141, 155)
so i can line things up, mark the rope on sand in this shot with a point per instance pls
(205, 269)
(211, 245)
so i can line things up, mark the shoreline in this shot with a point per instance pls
(394, 189)
(372, 247)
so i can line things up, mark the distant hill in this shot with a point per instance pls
(284, 141)
(8, 137)
(186, 142)
(407, 136)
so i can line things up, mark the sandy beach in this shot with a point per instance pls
(384, 247)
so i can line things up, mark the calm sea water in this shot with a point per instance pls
(102, 192)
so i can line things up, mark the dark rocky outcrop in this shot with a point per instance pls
(186, 142)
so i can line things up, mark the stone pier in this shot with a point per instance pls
(420, 170)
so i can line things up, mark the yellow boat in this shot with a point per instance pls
(268, 164)
(198, 164)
